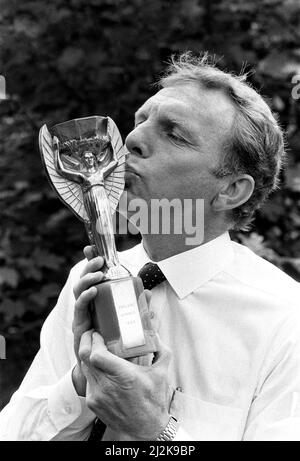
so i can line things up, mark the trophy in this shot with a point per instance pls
(85, 162)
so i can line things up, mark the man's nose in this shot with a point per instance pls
(135, 142)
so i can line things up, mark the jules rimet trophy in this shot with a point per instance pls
(85, 163)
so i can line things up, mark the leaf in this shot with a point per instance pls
(293, 177)
(292, 267)
(49, 291)
(29, 269)
(70, 58)
(21, 185)
(256, 243)
(47, 260)
(57, 218)
(12, 309)
(9, 276)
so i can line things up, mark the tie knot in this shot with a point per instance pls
(151, 275)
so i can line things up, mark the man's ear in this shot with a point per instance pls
(234, 193)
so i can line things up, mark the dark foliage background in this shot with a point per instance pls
(66, 59)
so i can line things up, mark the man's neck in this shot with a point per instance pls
(162, 246)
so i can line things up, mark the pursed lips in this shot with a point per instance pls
(128, 168)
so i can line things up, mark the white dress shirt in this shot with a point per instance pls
(232, 322)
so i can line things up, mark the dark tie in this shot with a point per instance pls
(151, 275)
(97, 431)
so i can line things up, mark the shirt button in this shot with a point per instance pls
(68, 409)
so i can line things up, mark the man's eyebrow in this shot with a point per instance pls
(173, 122)
(168, 122)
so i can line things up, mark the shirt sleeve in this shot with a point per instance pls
(182, 436)
(275, 411)
(46, 406)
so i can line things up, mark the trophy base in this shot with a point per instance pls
(120, 314)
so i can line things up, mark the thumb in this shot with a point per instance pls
(104, 360)
(89, 252)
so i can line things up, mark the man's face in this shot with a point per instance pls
(176, 143)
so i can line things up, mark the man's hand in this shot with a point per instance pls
(128, 398)
(84, 292)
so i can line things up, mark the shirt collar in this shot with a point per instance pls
(189, 270)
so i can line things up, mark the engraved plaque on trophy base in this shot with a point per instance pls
(120, 314)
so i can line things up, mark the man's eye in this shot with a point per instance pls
(175, 137)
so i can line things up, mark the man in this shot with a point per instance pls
(228, 365)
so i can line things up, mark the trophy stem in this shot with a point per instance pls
(101, 225)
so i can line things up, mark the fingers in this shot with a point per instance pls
(163, 356)
(84, 292)
(89, 252)
(148, 296)
(152, 312)
(91, 274)
(85, 346)
(143, 302)
(84, 354)
(143, 360)
(81, 312)
(87, 281)
(95, 264)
